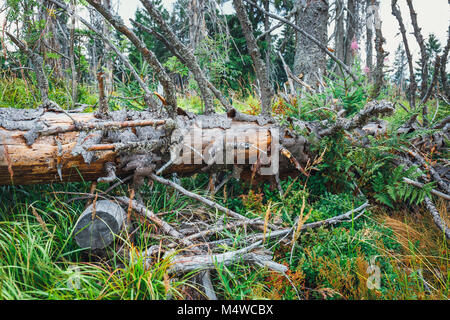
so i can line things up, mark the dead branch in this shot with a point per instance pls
(188, 57)
(372, 109)
(423, 49)
(413, 85)
(208, 202)
(437, 217)
(444, 186)
(103, 125)
(291, 77)
(421, 185)
(217, 229)
(208, 286)
(149, 56)
(280, 233)
(442, 123)
(161, 38)
(185, 264)
(164, 226)
(267, 91)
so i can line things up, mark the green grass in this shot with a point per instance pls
(39, 259)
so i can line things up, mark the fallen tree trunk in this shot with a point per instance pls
(38, 147)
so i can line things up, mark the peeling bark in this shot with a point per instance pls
(37, 146)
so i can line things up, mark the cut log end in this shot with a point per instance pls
(97, 226)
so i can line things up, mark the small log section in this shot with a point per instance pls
(49, 158)
(98, 224)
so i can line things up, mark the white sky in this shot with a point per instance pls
(433, 17)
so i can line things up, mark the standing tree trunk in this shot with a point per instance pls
(197, 24)
(339, 32)
(50, 41)
(267, 91)
(351, 31)
(423, 50)
(413, 85)
(72, 53)
(369, 35)
(267, 37)
(381, 55)
(107, 54)
(310, 61)
(444, 57)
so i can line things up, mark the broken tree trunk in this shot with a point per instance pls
(38, 147)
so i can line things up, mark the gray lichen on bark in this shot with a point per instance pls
(310, 61)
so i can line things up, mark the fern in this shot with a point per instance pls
(392, 188)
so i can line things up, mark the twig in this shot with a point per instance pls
(421, 185)
(227, 226)
(185, 264)
(373, 108)
(208, 202)
(437, 217)
(164, 226)
(346, 217)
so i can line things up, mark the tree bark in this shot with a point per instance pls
(74, 81)
(109, 79)
(413, 85)
(443, 69)
(50, 157)
(381, 55)
(37, 146)
(369, 36)
(310, 61)
(423, 50)
(351, 31)
(339, 32)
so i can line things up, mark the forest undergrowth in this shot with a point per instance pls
(393, 251)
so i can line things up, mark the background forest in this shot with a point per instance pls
(302, 63)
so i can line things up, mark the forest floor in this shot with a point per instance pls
(393, 251)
